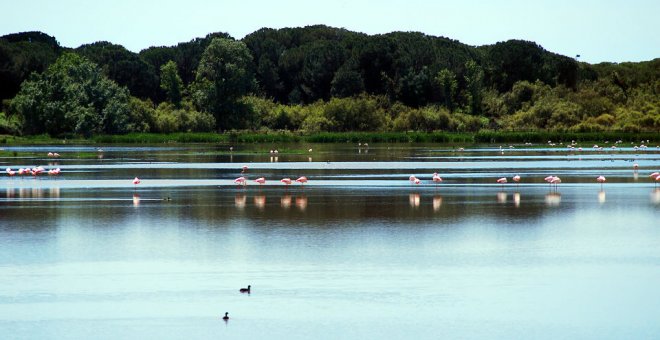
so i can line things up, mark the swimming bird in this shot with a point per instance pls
(245, 290)
(226, 317)
(302, 180)
(601, 180)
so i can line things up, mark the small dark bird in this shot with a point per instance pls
(245, 290)
(226, 317)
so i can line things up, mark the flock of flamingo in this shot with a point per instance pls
(243, 181)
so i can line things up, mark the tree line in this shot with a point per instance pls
(316, 78)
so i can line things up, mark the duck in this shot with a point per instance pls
(226, 317)
(245, 290)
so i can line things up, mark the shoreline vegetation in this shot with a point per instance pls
(286, 137)
(320, 84)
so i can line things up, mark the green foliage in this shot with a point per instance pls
(123, 66)
(171, 83)
(168, 118)
(224, 75)
(72, 96)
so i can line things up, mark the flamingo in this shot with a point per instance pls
(601, 180)
(260, 180)
(286, 181)
(555, 180)
(502, 181)
(240, 181)
(417, 181)
(516, 179)
(436, 179)
(22, 171)
(54, 172)
(655, 177)
(302, 180)
(245, 168)
(10, 172)
(50, 154)
(412, 179)
(136, 181)
(635, 166)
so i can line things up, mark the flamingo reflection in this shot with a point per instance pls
(501, 197)
(655, 196)
(414, 200)
(136, 200)
(601, 196)
(301, 202)
(240, 200)
(553, 199)
(285, 201)
(516, 199)
(260, 201)
(437, 202)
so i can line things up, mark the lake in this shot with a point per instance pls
(357, 252)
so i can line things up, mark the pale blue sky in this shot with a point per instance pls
(607, 30)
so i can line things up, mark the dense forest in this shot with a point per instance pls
(317, 78)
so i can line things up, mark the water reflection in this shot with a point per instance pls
(136, 200)
(501, 197)
(553, 199)
(414, 200)
(285, 201)
(260, 201)
(635, 175)
(516, 199)
(655, 196)
(601, 196)
(54, 192)
(437, 202)
(240, 200)
(301, 202)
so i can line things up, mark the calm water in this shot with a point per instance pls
(358, 252)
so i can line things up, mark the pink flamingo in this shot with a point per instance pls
(54, 172)
(22, 171)
(555, 180)
(260, 180)
(245, 168)
(516, 179)
(655, 177)
(302, 180)
(436, 178)
(10, 172)
(412, 179)
(286, 181)
(136, 181)
(502, 181)
(417, 181)
(601, 180)
(240, 181)
(50, 154)
(635, 166)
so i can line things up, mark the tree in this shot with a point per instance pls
(72, 96)
(224, 76)
(171, 83)
(447, 84)
(474, 77)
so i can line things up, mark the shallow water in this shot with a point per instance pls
(358, 252)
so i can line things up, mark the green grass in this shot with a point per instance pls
(246, 137)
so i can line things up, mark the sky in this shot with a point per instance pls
(598, 31)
